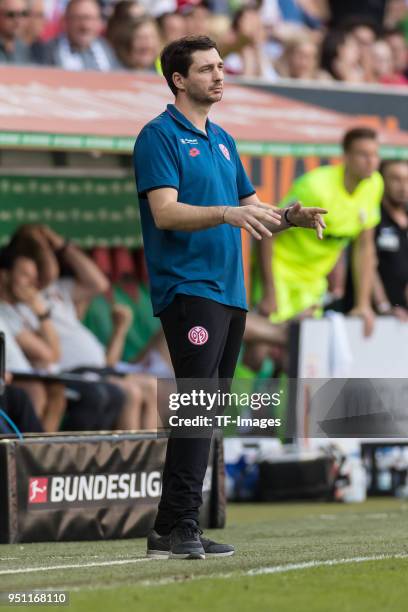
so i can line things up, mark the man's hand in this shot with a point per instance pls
(267, 305)
(368, 315)
(307, 217)
(31, 296)
(54, 240)
(252, 218)
(122, 317)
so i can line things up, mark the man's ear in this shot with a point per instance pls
(178, 81)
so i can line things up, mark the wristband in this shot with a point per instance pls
(286, 217)
(223, 214)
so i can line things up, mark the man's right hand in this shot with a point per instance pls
(267, 305)
(31, 296)
(252, 218)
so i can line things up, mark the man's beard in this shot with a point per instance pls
(201, 97)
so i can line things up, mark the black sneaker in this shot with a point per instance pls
(185, 541)
(158, 547)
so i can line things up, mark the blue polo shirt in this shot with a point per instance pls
(206, 170)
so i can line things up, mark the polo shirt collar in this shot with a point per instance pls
(182, 119)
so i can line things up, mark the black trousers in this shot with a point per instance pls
(210, 352)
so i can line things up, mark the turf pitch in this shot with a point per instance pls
(290, 557)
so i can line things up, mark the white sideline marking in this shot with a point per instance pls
(49, 568)
(275, 569)
(290, 567)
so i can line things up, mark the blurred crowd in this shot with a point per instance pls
(357, 41)
(59, 375)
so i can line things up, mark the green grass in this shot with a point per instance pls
(265, 536)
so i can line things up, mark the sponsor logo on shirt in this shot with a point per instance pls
(225, 151)
(194, 152)
(189, 141)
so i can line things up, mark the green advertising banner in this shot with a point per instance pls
(91, 211)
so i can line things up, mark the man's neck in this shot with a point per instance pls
(196, 114)
(350, 180)
(397, 213)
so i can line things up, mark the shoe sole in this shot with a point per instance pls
(157, 554)
(189, 556)
(162, 555)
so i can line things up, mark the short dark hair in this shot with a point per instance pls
(19, 246)
(176, 56)
(357, 133)
(352, 22)
(390, 162)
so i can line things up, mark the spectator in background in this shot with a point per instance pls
(391, 239)
(34, 25)
(172, 26)
(13, 15)
(293, 269)
(285, 20)
(80, 349)
(300, 60)
(365, 33)
(244, 53)
(126, 10)
(197, 18)
(18, 278)
(399, 47)
(81, 46)
(341, 57)
(396, 13)
(137, 44)
(383, 65)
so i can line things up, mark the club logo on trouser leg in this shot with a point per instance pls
(198, 335)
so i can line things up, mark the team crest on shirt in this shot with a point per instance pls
(198, 335)
(194, 152)
(225, 151)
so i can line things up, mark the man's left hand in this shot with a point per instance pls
(308, 217)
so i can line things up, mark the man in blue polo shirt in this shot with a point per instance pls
(194, 197)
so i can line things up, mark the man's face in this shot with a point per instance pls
(23, 278)
(205, 80)
(399, 51)
(13, 14)
(396, 184)
(362, 159)
(174, 27)
(83, 23)
(36, 20)
(145, 47)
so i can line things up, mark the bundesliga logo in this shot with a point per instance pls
(93, 487)
(37, 490)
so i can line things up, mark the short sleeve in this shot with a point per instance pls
(155, 161)
(244, 185)
(14, 321)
